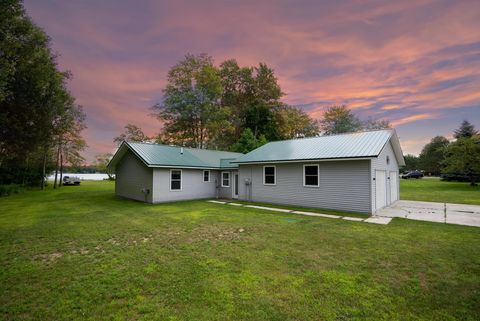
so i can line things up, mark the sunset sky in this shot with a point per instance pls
(415, 63)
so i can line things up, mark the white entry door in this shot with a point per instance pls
(393, 187)
(380, 189)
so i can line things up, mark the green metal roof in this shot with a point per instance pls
(353, 145)
(156, 155)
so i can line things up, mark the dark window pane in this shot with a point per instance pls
(175, 185)
(311, 180)
(226, 176)
(205, 176)
(176, 174)
(269, 179)
(269, 170)
(311, 170)
(226, 182)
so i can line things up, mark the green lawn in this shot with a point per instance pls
(435, 190)
(79, 253)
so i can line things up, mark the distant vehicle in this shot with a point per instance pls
(412, 174)
(71, 180)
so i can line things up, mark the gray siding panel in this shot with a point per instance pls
(132, 175)
(380, 163)
(344, 185)
(193, 186)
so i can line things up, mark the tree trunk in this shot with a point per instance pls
(44, 169)
(473, 181)
(56, 168)
(61, 170)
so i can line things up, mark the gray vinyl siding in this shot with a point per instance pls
(131, 177)
(380, 163)
(344, 185)
(193, 186)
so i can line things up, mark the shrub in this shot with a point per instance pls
(6, 190)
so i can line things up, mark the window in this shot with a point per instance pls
(388, 160)
(269, 175)
(176, 180)
(206, 176)
(225, 179)
(310, 175)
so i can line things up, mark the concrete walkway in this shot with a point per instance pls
(372, 219)
(459, 214)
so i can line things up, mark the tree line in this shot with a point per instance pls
(236, 108)
(460, 157)
(40, 123)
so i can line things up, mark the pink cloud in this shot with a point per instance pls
(405, 61)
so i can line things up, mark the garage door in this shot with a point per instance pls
(393, 187)
(380, 189)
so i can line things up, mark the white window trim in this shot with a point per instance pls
(274, 175)
(181, 180)
(203, 177)
(318, 175)
(229, 178)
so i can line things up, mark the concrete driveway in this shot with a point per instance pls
(460, 214)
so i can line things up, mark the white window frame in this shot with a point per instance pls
(229, 179)
(318, 175)
(203, 177)
(274, 175)
(181, 180)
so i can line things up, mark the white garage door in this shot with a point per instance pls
(380, 189)
(393, 187)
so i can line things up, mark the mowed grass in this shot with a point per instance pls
(434, 190)
(79, 253)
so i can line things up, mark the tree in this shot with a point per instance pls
(101, 163)
(191, 101)
(252, 94)
(338, 120)
(432, 156)
(33, 97)
(373, 124)
(412, 163)
(466, 130)
(292, 122)
(247, 142)
(69, 142)
(132, 133)
(463, 157)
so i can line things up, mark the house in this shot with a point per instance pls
(349, 172)
(157, 173)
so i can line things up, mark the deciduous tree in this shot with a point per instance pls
(338, 120)
(432, 157)
(292, 122)
(101, 162)
(463, 157)
(132, 133)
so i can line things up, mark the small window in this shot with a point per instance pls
(388, 160)
(175, 180)
(206, 176)
(269, 175)
(225, 179)
(310, 175)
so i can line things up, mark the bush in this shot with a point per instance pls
(6, 190)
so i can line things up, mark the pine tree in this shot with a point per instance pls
(466, 130)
